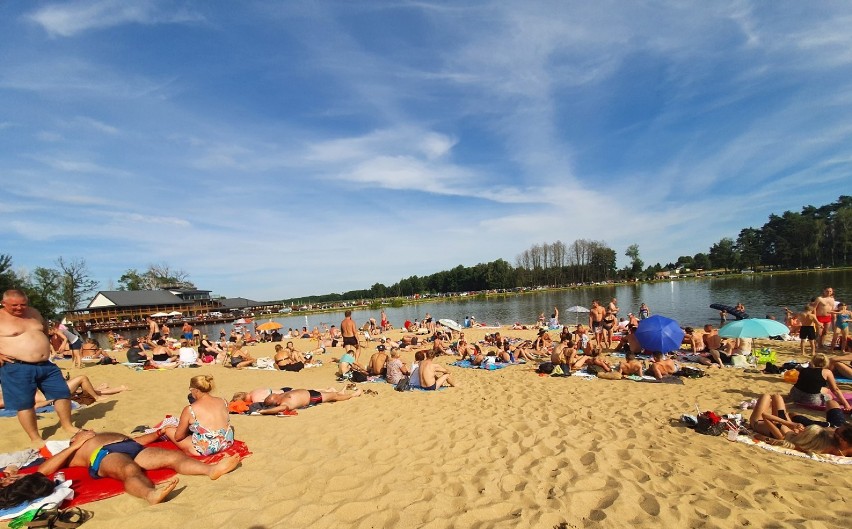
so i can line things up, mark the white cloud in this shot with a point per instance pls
(70, 19)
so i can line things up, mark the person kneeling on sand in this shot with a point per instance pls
(432, 375)
(114, 455)
(662, 367)
(295, 399)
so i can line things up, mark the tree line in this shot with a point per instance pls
(817, 236)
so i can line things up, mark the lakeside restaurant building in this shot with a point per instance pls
(128, 309)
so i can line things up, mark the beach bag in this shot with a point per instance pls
(545, 367)
(208, 359)
(689, 372)
(791, 376)
(709, 424)
(771, 369)
(739, 361)
(766, 355)
(358, 376)
(404, 384)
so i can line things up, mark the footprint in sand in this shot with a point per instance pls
(588, 458)
(650, 505)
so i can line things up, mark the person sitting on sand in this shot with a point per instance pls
(770, 419)
(808, 388)
(287, 359)
(522, 351)
(631, 342)
(347, 364)
(187, 355)
(414, 376)
(631, 366)
(697, 348)
(662, 367)
(114, 455)
(714, 346)
(206, 347)
(396, 368)
(240, 358)
(204, 427)
(596, 358)
(432, 375)
(378, 362)
(295, 399)
(136, 354)
(582, 340)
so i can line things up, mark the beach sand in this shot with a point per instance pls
(506, 449)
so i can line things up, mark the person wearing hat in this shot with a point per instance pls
(378, 362)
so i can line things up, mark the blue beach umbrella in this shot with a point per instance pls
(659, 333)
(753, 328)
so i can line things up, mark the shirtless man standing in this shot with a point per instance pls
(432, 375)
(349, 331)
(596, 316)
(25, 365)
(153, 329)
(114, 455)
(824, 305)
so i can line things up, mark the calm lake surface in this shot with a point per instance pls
(685, 300)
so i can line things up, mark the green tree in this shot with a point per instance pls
(75, 283)
(723, 254)
(8, 279)
(636, 263)
(701, 261)
(750, 246)
(43, 290)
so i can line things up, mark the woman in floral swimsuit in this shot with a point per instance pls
(204, 427)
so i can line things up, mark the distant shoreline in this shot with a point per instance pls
(717, 274)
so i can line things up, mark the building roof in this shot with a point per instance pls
(240, 303)
(134, 298)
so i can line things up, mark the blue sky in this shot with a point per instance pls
(280, 149)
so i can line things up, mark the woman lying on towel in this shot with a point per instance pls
(770, 419)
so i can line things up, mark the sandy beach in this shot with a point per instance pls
(506, 449)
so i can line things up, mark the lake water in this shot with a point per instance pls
(685, 300)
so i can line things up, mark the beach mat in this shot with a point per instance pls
(843, 380)
(86, 489)
(821, 407)
(822, 458)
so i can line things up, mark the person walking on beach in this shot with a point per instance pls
(349, 331)
(824, 306)
(644, 312)
(25, 365)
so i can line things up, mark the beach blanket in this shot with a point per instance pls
(822, 458)
(61, 493)
(44, 409)
(821, 407)
(843, 380)
(485, 365)
(87, 490)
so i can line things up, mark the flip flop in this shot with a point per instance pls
(44, 516)
(72, 518)
(287, 413)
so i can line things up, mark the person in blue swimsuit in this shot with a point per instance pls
(114, 455)
(842, 317)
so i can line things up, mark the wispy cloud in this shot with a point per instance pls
(68, 20)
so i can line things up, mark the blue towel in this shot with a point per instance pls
(44, 409)
(485, 365)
